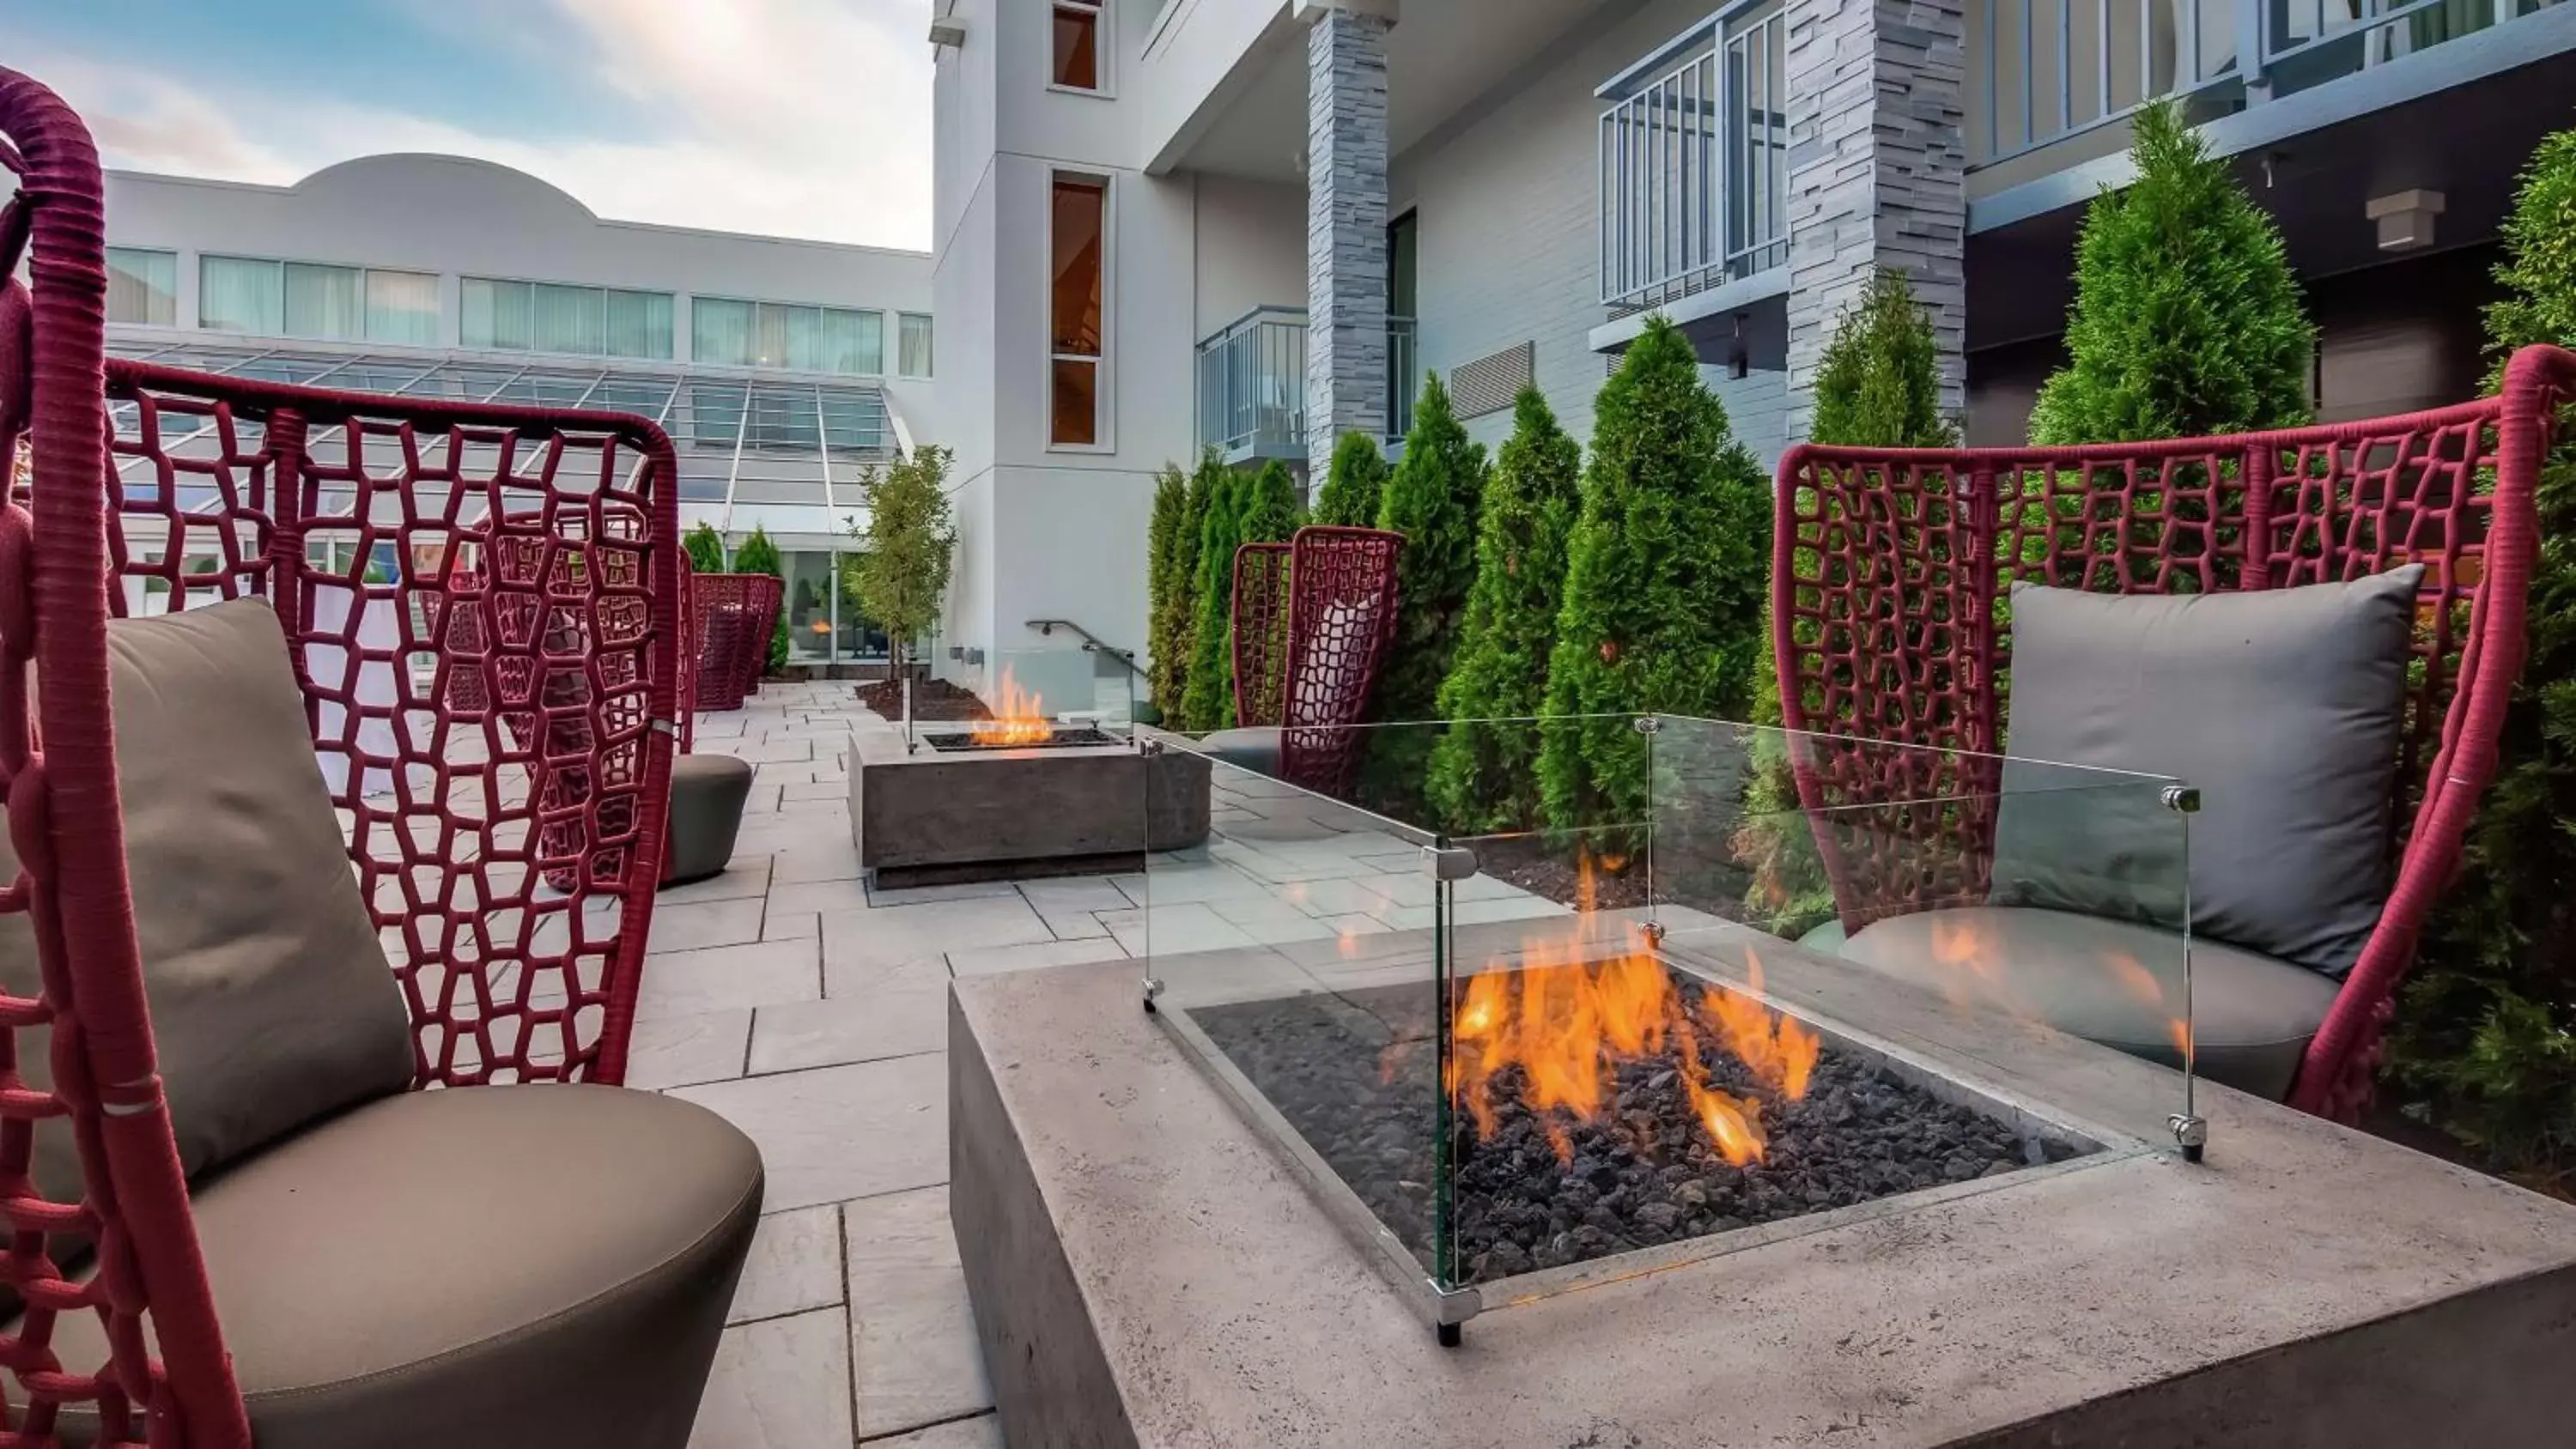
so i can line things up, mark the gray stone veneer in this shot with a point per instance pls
(1346, 260)
(1877, 173)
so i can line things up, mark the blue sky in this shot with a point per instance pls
(792, 117)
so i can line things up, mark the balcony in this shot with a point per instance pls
(1252, 385)
(1695, 161)
(2043, 72)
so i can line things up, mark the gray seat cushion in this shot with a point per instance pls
(707, 797)
(2284, 707)
(272, 1003)
(2114, 982)
(536, 1266)
(1256, 749)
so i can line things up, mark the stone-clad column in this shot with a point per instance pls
(1346, 260)
(1877, 174)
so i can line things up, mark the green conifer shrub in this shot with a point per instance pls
(1663, 594)
(1167, 590)
(1484, 772)
(2187, 318)
(2485, 1038)
(1207, 701)
(706, 549)
(1356, 485)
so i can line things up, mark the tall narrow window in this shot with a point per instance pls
(915, 359)
(1077, 44)
(1076, 355)
(142, 286)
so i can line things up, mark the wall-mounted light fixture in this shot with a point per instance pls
(2405, 219)
(947, 30)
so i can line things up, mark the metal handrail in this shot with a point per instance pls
(1693, 158)
(1091, 643)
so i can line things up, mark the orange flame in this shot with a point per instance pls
(1019, 717)
(1567, 1022)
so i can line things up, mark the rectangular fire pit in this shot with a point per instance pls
(1077, 802)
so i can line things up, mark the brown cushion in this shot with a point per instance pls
(272, 1003)
(2114, 982)
(534, 1266)
(708, 793)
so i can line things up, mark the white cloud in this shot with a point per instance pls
(802, 118)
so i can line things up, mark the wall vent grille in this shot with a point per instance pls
(1491, 384)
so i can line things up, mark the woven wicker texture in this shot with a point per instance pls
(1343, 602)
(1890, 569)
(730, 674)
(1260, 628)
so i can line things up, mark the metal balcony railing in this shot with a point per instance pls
(2042, 71)
(1252, 385)
(1695, 160)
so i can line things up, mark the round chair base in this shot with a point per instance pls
(708, 793)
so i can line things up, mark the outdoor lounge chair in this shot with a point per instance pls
(708, 792)
(1312, 618)
(1905, 613)
(733, 617)
(227, 975)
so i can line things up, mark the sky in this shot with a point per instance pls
(805, 118)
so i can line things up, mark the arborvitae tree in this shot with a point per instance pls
(1272, 513)
(1356, 486)
(1663, 597)
(1484, 773)
(1167, 590)
(1432, 500)
(1878, 386)
(2186, 319)
(1207, 702)
(2486, 1040)
(1180, 622)
(759, 556)
(706, 549)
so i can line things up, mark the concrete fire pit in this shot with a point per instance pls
(927, 815)
(1148, 1268)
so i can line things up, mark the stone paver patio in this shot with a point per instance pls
(812, 1013)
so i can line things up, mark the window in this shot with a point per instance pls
(914, 357)
(1077, 45)
(555, 317)
(1076, 291)
(143, 286)
(728, 333)
(309, 299)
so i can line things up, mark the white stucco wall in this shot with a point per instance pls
(1251, 249)
(1508, 200)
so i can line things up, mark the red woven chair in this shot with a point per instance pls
(500, 716)
(1888, 628)
(732, 653)
(1298, 703)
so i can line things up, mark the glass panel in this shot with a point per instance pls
(720, 332)
(858, 637)
(916, 358)
(322, 301)
(639, 324)
(142, 286)
(1710, 978)
(1077, 47)
(236, 294)
(1081, 207)
(498, 315)
(1077, 404)
(852, 342)
(810, 581)
(403, 307)
(570, 319)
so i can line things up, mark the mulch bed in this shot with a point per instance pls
(931, 699)
(1551, 873)
(1646, 1176)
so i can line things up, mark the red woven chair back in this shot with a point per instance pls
(1343, 602)
(730, 674)
(1891, 568)
(1260, 628)
(482, 604)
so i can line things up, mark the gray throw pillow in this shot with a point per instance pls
(272, 1002)
(2283, 706)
